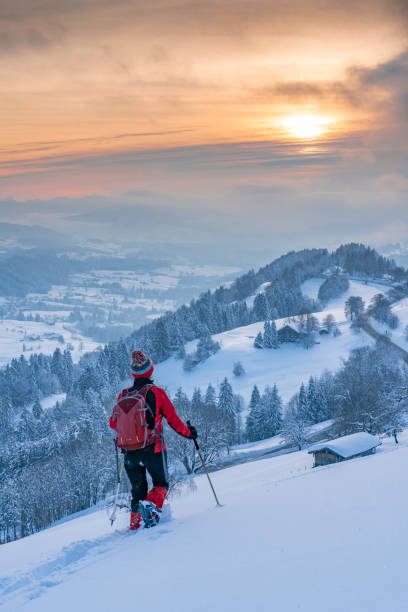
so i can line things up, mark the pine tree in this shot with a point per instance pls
(197, 404)
(303, 406)
(272, 412)
(294, 426)
(67, 380)
(252, 418)
(261, 307)
(210, 402)
(267, 339)
(161, 342)
(313, 403)
(226, 409)
(258, 342)
(255, 397)
(270, 338)
(37, 409)
(265, 417)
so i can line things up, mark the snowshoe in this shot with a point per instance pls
(150, 513)
(135, 521)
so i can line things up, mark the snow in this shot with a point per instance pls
(207, 270)
(51, 400)
(349, 446)
(288, 537)
(251, 299)
(276, 441)
(288, 366)
(310, 288)
(39, 338)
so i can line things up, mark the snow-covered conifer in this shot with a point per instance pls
(259, 342)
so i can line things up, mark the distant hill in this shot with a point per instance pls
(32, 236)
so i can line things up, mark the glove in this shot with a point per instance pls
(193, 432)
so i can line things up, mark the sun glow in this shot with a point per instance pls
(306, 126)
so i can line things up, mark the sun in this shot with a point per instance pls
(306, 126)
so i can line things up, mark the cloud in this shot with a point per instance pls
(358, 87)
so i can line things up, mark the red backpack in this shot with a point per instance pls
(131, 424)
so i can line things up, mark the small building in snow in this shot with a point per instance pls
(288, 334)
(347, 447)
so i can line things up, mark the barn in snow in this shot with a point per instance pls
(288, 334)
(347, 447)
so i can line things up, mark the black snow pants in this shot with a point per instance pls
(136, 464)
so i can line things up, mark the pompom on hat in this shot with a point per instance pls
(142, 366)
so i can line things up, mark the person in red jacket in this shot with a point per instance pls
(153, 456)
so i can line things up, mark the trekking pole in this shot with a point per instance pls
(204, 467)
(119, 472)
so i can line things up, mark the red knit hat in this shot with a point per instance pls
(142, 366)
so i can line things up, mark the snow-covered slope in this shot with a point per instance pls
(288, 367)
(28, 337)
(398, 335)
(288, 538)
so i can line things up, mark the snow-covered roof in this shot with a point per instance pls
(348, 446)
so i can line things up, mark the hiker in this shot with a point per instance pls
(138, 420)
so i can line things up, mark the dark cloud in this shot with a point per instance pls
(39, 23)
(362, 87)
(306, 91)
(391, 77)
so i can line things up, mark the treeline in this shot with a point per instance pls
(369, 393)
(24, 380)
(61, 460)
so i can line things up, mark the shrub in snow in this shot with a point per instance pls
(238, 369)
(189, 363)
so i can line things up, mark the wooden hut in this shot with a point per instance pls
(342, 449)
(288, 334)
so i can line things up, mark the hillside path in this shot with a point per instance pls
(397, 350)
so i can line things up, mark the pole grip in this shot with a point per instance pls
(193, 439)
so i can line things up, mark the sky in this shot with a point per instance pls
(285, 122)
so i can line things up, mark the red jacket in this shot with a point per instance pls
(164, 408)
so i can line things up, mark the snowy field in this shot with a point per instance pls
(50, 401)
(288, 366)
(15, 336)
(131, 298)
(287, 538)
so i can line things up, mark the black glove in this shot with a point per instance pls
(193, 432)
